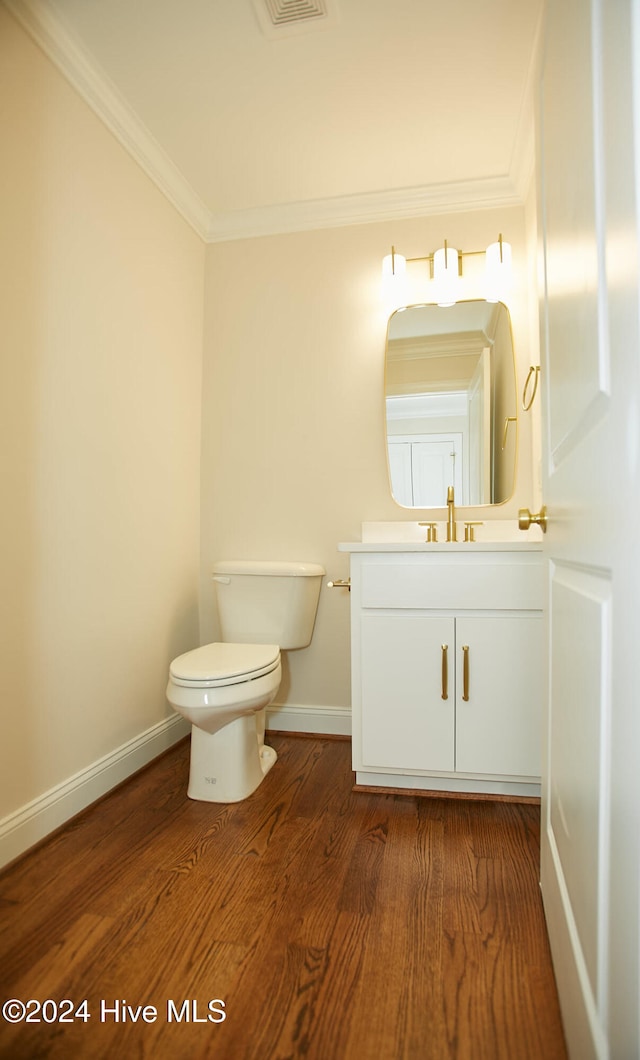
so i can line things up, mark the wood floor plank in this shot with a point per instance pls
(363, 876)
(460, 912)
(332, 924)
(396, 1006)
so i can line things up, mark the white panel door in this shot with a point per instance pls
(590, 868)
(422, 467)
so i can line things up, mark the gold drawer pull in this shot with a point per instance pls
(465, 672)
(445, 672)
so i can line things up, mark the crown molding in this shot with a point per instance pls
(368, 208)
(428, 347)
(523, 163)
(45, 27)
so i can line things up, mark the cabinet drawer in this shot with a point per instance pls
(511, 585)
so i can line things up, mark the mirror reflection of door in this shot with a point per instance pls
(422, 469)
(426, 435)
(449, 374)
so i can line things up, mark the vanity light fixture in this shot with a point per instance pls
(497, 270)
(394, 267)
(445, 269)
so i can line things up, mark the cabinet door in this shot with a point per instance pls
(406, 723)
(498, 729)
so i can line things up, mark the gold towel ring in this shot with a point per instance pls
(535, 372)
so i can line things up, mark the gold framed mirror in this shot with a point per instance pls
(451, 408)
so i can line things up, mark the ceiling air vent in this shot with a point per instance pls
(280, 18)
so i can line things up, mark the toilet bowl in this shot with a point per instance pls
(220, 688)
(224, 688)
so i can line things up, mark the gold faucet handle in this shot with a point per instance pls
(470, 530)
(432, 531)
(525, 519)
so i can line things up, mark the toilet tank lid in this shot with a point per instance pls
(269, 568)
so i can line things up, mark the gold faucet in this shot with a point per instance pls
(451, 516)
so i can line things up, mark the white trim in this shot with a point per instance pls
(22, 829)
(462, 785)
(584, 1032)
(523, 161)
(46, 27)
(442, 404)
(325, 721)
(371, 207)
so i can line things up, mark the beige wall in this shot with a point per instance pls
(293, 456)
(101, 285)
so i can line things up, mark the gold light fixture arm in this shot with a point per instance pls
(461, 254)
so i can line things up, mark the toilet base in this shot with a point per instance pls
(228, 765)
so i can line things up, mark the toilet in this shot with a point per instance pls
(224, 688)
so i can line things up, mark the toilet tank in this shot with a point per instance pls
(267, 602)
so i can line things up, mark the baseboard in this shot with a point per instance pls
(21, 830)
(33, 822)
(444, 786)
(325, 721)
(434, 793)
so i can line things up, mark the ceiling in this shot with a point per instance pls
(380, 108)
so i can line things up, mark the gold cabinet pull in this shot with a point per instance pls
(445, 672)
(465, 672)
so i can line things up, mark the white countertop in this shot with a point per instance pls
(492, 535)
(440, 546)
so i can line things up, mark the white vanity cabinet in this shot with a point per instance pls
(447, 669)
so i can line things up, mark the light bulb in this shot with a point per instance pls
(394, 267)
(445, 275)
(497, 271)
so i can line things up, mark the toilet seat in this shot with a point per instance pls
(219, 664)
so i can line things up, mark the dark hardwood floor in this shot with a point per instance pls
(332, 924)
